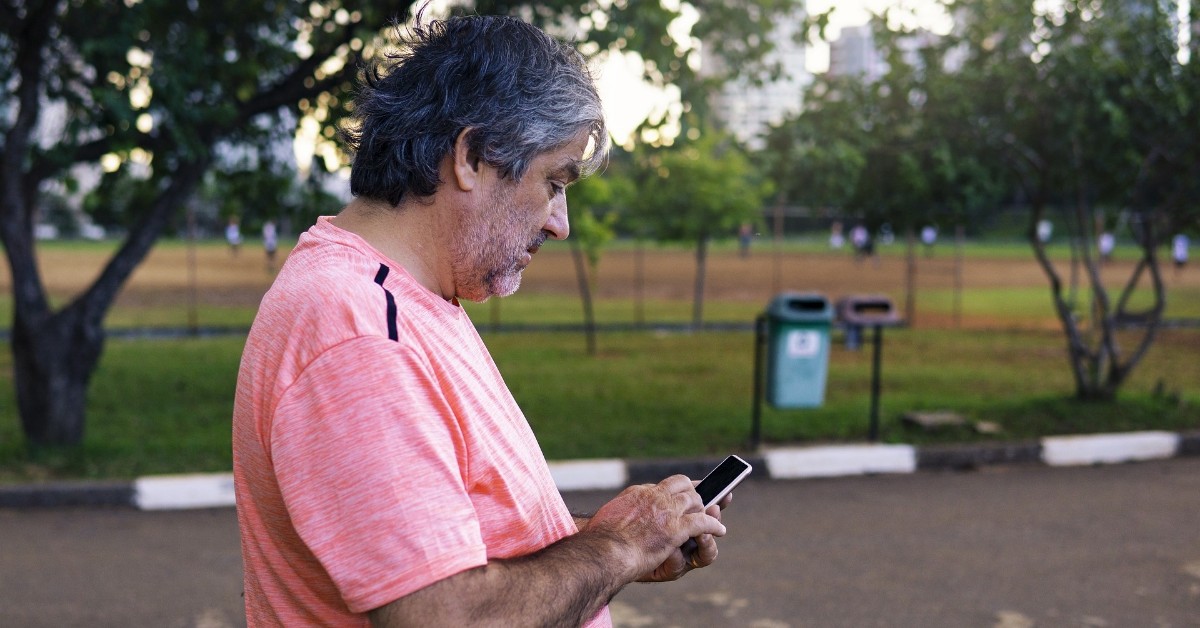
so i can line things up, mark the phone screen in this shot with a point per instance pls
(722, 479)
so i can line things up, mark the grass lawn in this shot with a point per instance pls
(164, 406)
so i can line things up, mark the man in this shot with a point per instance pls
(384, 473)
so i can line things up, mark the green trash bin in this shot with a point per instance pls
(798, 326)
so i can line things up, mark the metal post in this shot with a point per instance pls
(873, 434)
(193, 319)
(760, 340)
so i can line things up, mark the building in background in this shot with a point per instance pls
(854, 53)
(746, 109)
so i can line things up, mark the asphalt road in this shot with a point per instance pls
(1010, 547)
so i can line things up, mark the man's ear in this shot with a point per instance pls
(467, 163)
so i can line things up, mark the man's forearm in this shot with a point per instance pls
(565, 584)
(635, 535)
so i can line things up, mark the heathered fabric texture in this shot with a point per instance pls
(377, 449)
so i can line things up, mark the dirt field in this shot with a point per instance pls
(224, 280)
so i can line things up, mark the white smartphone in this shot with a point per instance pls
(722, 479)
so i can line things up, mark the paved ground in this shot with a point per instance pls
(1010, 547)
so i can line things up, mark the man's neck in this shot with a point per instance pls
(405, 234)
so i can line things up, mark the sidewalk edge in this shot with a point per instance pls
(215, 490)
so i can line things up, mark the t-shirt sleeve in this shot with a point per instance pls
(371, 465)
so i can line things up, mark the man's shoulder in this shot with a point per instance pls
(323, 274)
(337, 290)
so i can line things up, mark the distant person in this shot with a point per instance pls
(270, 242)
(836, 238)
(863, 243)
(233, 235)
(1106, 243)
(859, 237)
(1179, 252)
(929, 234)
(1045, 229)
(384, 473)
(745, 234)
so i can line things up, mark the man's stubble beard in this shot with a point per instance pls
(488, 260)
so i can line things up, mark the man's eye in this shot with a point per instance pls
(557, 188)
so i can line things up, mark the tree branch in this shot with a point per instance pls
(44, 168)
(1153, 320)
(9, 18)
(1127, 292)
(291, 88)
(1075, 342)
(142, 236)
(16, 206)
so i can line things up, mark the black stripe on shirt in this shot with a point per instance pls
(393, 333)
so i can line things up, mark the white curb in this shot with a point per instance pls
(173, 492)
(215, 490)
(1061, 451)
(814, 462)
(586, 475)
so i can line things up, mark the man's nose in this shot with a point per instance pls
(558, 226)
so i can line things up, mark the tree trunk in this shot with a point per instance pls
(1076, 349)
(698, 293)
(494, 315)
(959, 239)
(910, 278)
(53, 360)
(777, 266)
(585, 294)
(639, 282)
(1099, 366)
(55, 353)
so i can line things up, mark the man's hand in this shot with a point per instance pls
(652, 521)
(636, 536)
(695, 553)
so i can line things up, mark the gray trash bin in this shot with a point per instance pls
(865, 310)
(798, 326)
(877, 312)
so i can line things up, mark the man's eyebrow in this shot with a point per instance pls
(567, 171)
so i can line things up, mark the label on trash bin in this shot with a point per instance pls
(803, 344)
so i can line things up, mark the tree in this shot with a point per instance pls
(154, 91)
(595, 203)
(1081, 107)
(861, 146)
(147, 92)
(1085, 106)
(697, 191)
(816, 159)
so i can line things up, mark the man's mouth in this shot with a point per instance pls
(537, 243)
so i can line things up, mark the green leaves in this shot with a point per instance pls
(699, 190)
(1041, 98)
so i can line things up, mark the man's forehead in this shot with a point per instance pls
(567, 161)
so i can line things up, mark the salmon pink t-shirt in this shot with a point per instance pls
(376, 447)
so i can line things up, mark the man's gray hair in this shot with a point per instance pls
(519, 91)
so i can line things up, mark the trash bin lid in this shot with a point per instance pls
(868, 310)
(800, 307)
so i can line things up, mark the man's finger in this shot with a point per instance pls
(705, 553)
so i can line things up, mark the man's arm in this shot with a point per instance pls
(636, 535)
